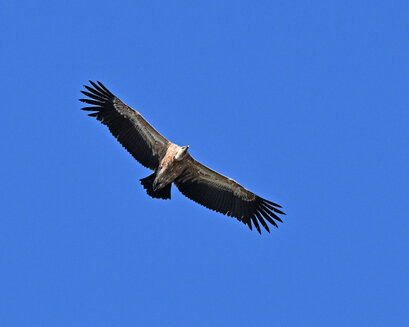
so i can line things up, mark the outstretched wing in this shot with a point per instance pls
(128, 126)
(222, 194)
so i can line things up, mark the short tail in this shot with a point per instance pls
(163, 193)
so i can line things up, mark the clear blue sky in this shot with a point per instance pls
(304, 102)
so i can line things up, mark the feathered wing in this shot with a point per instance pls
(127, 125)
(222, 194)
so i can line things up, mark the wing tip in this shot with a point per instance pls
(98, 89)
(267, 209)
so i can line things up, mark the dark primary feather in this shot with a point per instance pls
(224, 201)
(113, 113)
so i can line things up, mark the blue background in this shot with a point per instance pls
(303, 102)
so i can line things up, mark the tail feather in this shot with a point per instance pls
(163, 193)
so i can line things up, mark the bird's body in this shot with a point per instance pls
(172, 164)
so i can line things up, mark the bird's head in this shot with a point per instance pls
(181, 153)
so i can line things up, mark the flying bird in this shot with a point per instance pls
(172, 164)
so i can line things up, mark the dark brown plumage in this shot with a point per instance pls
(173, 164)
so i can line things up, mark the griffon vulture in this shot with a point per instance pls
(172, 163)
